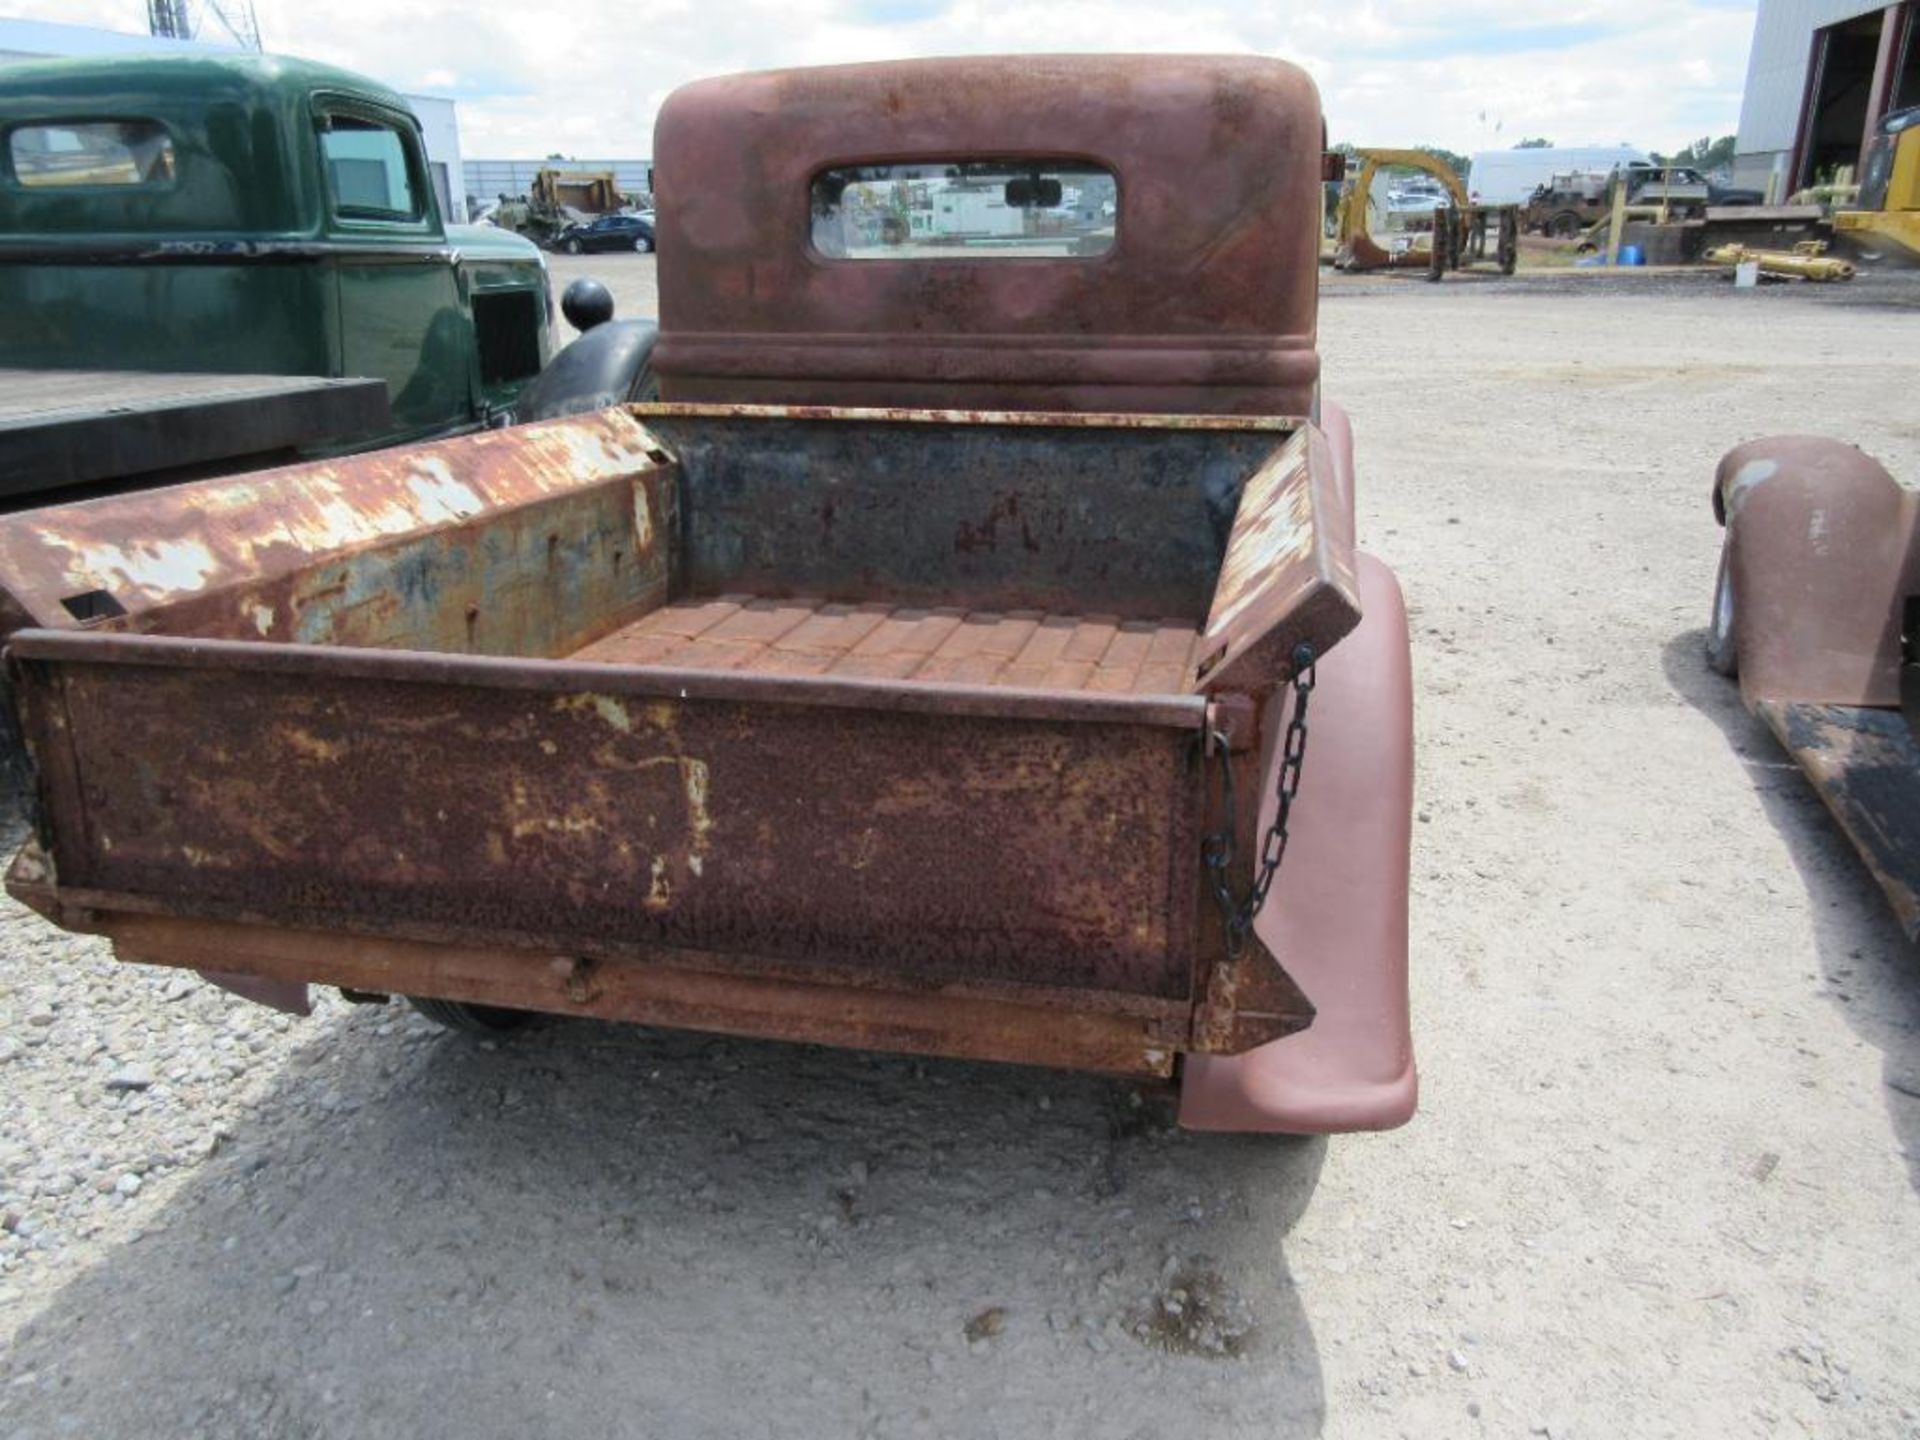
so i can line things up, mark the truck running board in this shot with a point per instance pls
(1866, 766)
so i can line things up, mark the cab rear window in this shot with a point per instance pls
(71, 154)
(965, 209)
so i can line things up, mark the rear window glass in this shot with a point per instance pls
(367, 165)
(965, 209)
(91, 152)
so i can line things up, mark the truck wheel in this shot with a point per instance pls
(470, 1019)
(573, 247)
(1564, 226)
(642, 245)
(1723, 658)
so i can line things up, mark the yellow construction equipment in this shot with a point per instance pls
(1410, 219)
(1806, 261)
(1885, 222)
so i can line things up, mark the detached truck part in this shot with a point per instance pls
(928, 672)
(1817, 612)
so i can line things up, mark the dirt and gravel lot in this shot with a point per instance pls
(1663, 1182)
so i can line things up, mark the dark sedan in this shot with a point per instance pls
(609, 232)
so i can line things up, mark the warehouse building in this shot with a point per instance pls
(1822, 75)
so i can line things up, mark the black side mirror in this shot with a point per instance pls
(586, 303)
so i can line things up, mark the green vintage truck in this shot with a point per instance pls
(166, 218)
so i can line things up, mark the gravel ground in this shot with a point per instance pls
(1662, 1183)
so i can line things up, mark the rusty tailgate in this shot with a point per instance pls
(1016, 839)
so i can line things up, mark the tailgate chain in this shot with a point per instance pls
(1217, 849)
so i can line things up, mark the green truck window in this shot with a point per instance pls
(367, 166)
(91, 152)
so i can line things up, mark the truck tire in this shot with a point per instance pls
(1723, 656)
(469, 1019)
(1564, 225)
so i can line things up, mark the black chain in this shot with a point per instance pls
(1218, 849)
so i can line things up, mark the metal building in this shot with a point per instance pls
(1821, 75)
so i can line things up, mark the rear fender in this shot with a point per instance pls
(609, 365)
(1820, 550)
(1337, 917)
(1338, 429)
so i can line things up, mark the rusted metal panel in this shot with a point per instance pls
(905, 1021)
(1288, 577)
(373, 793)
(1106, 515)
(1205, 304)
(1823, 549)
(525, 541)
(1865, 764)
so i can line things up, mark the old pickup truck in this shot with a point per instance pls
(269, 226)
(932, 669)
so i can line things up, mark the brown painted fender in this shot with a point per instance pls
(1338, 429)
(1337, 917)
(1821, 553)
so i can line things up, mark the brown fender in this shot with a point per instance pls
(1338, 429)
(1820, 545)
(1337, 918)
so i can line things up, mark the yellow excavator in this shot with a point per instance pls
(1885, 222)
(1405, 219)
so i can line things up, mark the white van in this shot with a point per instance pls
(1509, 177)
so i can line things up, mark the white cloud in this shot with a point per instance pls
(587, 76)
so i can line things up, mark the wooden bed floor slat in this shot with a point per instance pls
(935, 646)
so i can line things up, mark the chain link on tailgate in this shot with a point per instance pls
(1218, 849)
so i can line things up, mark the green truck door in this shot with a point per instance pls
(402, 316)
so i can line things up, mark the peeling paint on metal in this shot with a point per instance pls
(152, 565)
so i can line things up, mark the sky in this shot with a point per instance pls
(585, 77)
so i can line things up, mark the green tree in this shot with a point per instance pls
(1706, 153)
(1535, 143)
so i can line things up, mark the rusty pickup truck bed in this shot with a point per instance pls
(779, 721)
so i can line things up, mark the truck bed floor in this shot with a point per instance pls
(955, 646)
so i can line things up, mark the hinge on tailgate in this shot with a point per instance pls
(1218, 849)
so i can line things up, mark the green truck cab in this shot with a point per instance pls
(253, 215)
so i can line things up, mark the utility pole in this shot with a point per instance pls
(188, 20)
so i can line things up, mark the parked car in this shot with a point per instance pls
(1718, 194)
(931, 672)
(609, 232)
(245, 215)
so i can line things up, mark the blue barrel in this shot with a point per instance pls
(1632, 255)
